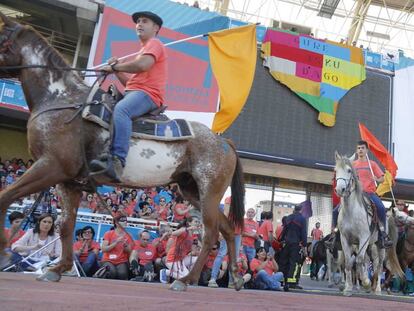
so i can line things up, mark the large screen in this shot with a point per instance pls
(277, 125)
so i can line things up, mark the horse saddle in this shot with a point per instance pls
(371, 208)
(155, 125)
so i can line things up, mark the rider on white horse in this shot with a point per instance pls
(368, 174)
(366, 178)
(144, 90)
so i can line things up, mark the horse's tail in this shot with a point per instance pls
(236, 213)
(393, 263)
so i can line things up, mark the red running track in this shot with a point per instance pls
(23, 292)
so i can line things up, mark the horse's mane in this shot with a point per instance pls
(54, 58)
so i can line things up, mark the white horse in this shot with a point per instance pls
(354, 224)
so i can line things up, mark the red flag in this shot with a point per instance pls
(380, 152)
(335, 198)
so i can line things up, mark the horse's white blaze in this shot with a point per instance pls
(151, 163)
(31, 56)
(58, 86)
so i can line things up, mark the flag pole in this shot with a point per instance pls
(372, 172)
(167, 44)
(392, 194)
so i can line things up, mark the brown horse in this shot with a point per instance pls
(203, 166)
(406, 254)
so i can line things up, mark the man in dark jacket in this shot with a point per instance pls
(294, 240)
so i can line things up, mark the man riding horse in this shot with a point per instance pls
(368, 173)
(144, 90)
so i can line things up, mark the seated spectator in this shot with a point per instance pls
(34, 240)
(179, 257)
(89, 203)
(3, 183)
(86, 251)
(152, 193)
(10, 178)
(143, 197)
(181, 209)
(207, 269)
(142, 258)
(160, 245)
(15, 232)
(242, 268)
(116, 248)
(121, 210)
(145, 211)
(265, 269)
(163, 209)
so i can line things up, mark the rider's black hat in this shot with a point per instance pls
(152, 16)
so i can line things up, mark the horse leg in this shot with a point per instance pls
(37, 178)
(70, 200)
(348, 267)
(210, 220)
(228, 233)
(362, 272)
(378, 256)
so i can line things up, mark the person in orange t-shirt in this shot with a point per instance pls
(86, 250)
(266, 230)
(179, 260)
(249, 234)
(142, 258)
(370, 173)
(144, 90)
(116, 248)
(265, 271)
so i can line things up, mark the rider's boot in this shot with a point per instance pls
(384, 239)
(111, 167)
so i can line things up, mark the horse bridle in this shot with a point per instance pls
(8, 38)
(348, 183)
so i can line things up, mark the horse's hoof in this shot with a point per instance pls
(49, 276)
(347, 293)
(178, 286)
(239, 284)
(378, 293)
(342, 287)
(367, 285)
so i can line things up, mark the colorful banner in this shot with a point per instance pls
(11, 95)
(319, 71)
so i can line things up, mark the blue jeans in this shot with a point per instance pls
(380, 207)
(250, 252)
(133, 105)
(16, 259)
(220, 255)
(266, 281)
(219, 259)
(90, 265)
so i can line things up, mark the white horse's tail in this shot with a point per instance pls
(393, 263)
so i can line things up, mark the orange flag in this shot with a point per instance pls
(380, 152)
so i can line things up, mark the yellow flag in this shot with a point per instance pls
(233, 55)
(386, 185)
